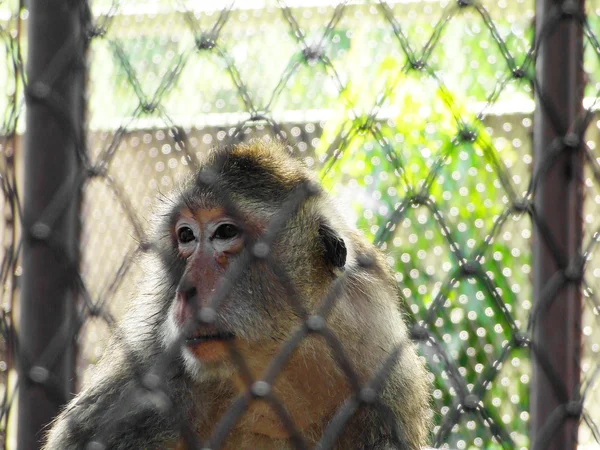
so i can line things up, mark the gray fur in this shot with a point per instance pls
(146, 395)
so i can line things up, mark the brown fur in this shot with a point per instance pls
(259, 179)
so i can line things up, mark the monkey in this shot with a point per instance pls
(250, 254)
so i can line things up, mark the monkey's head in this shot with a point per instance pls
(248, 246)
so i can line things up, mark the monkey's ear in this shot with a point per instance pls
(335, 248)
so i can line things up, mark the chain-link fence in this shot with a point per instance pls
(460, 136)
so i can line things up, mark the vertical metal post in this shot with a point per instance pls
(558, 202)
(54, 119)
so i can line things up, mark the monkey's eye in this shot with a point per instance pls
(226, 231)
(185, 235)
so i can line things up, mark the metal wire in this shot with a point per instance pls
(462, 383)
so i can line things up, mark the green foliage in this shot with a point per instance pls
(426, 182)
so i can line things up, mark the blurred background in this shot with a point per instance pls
(419, 115)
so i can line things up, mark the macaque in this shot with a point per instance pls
(250, 254)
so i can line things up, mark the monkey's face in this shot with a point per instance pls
(207, 240)
(247, 306)
(227, 294)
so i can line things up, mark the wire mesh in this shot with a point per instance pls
(418, 116)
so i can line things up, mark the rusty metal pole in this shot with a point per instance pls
(50, 230)
(559, 204)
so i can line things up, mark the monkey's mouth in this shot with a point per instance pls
(207, 335)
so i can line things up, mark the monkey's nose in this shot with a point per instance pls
(186, 290)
